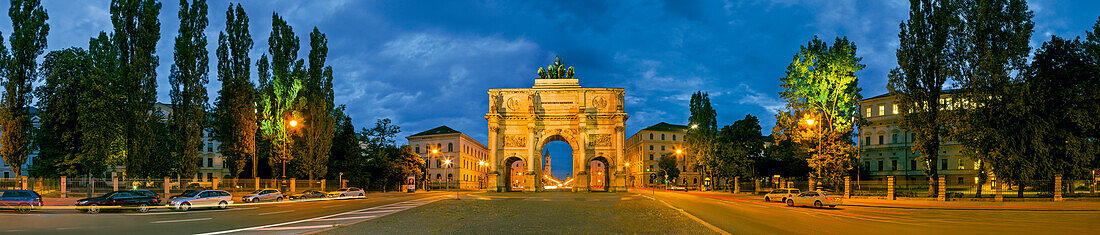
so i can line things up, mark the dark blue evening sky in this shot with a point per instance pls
(425, 64)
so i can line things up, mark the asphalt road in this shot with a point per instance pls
(745, 215)
(269, 218)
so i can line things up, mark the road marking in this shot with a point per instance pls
(175, 221)
(376, 212)
(298, 227)
(187, 212)
(689, 215)
(432, 199)
(347, 218)
(331, 206)
(277, 212)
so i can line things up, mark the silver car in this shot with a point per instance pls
(816, 199)
(200, 199)
(263, 195)
(346, 192)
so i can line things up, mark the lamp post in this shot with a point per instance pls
(481, 165)
(449, 165)
(293, 124)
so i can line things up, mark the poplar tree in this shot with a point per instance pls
(28, 40)
(136, 32)
(925, 59)
(104, 144)
(700, 137)
(188, 80)
(235, 116)
(279, 93)
(315, 105)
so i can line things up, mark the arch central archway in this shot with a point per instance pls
(523, 120)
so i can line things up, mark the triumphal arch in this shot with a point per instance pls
(523, 120)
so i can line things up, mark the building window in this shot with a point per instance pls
(868, 112)
(961, 165)
(450, 147)
(651, 157)
(867, 165)
(210, 162)
(881, 110)
(880, 165)
(662, 136)
(438, 176)
(895, 136)
(893, 165)
(673, 137)
(650, 135)
(867, 141)
(894, 109)
(418, 148)
(6, 175)
(960, 180)
(651, 147)
(944, 162)
(880, 139)
(209, 176)
(662, 148)
(912, 165)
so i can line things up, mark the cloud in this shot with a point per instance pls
(769, 104)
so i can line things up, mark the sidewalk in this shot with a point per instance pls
(917, 204)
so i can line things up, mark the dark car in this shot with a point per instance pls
(22, 201)
(307, 195)
(135, 200)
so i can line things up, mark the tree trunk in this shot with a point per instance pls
(1020, 190)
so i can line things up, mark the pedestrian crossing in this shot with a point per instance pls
(332, 221)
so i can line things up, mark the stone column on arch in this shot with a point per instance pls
(533, 169)
(494, 162)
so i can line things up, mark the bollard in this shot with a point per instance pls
(890, 188)
(64, 187)
(1058, 187)
(943, 189)
(847, 187)
(166, 186)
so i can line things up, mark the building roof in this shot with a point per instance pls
(945, 91)
(666, 127)
(436, 131)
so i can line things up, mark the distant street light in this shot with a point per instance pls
(293, 123)
(810, 121)
(694, 126)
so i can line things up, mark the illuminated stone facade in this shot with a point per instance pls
(523, 120)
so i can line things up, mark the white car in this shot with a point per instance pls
(816, 199)
(781, 195)
(201, 199)
(263, 195)
(346, 192)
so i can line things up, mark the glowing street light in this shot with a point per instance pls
(293, 123)
(810, 121)
(678, 151)
(437, 151)
(694, 126)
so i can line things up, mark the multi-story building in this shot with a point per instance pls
(886, 147)
(645, 148)
(451, 158)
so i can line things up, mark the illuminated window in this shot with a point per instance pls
(881, 110)
(961, 165)
(894, 109)
(868, 112)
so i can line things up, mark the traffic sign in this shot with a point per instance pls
(652, 176)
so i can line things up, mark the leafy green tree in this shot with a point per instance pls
(345, 155)
(380, 135)
(668, 170)
(1061, 102)
(103, 141)
(188, 80)
(739, 147)
(235, 112)
(136, 32)
(28, 40)
(821, 90)
(700, 137)
(925, 59)
(993, 46)
(279, 88)
(784, 158)
(60, 136)
(315, 104)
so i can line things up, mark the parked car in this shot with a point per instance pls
(145, 192)
(263, 195)
(346, 192)
(307, 195)
(781, 195)
(22, 201)
(200, 199)
(136, 200)
(677, 188)
(185, 192)
(816, 199)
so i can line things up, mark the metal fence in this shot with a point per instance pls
(90, 187)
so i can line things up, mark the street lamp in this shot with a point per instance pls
(449, 165)
(293, 123)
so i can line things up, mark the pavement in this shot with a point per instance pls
(279, 218)
(739, 213)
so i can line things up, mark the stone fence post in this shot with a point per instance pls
(757, 189)
(847, 187)
(810, 184)
(114, 180)
(23, 182)
(293, 184)
(214, 183)
(64, 187)
(998, 187)
(890, 188)
(942, 195)
(167, 187)
(256, 180)
(737, 184)
(1058, 187)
